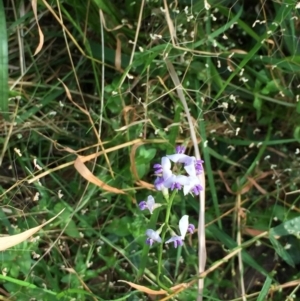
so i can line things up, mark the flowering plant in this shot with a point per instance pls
(188, 168)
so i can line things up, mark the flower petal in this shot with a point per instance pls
(182, 180)
(183, 225)
(180, 149)
(150, 203)
(143, 205)
(165, 163)
(179, 158)
(193, 182)
(153, 235)
(177, 241)
(191, 228)
(159, 183)
(190, 169)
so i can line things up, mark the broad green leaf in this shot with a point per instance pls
(271, 86)
(290, 227)
(291, 231)
(280, 249)
(119, 227)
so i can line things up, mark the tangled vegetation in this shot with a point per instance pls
(92, 103)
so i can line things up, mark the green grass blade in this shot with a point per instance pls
(208, 168)
(3, 63)
(265, 289)
(284, 11)
(145, 255)
(231, 244)
(25, 284)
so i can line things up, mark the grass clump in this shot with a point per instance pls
(92, 106)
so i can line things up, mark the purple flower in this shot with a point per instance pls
(194, 186)
(196, 189)
(159, 183)
(184, 227)
(180, 149)
(199, 166)
(176, 182)
(191, 228)
(157, 169)
(149, 204)
(191, 165)
(167, 180)
(163, 169)
(152, 236)
(177, 240)
(181, 158)
(164, 173)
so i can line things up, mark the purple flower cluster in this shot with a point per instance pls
(166, 179)
(189, 182)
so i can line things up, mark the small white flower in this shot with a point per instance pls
(184, 226)
(153, 236)
(149, 204)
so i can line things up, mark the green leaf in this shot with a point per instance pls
(119, 227)
(297, 133)
(290, 227)
(280, 249)
(141, 170)
(148, 154)
(298, 107)
(72, 230)
(271, 87)
(257, 104)
(291, 230)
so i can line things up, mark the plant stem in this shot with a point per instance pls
(164, 231)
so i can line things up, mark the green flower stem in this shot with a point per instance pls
(163, 234)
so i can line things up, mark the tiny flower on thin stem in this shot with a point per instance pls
(184, 227)
(149, 204)
(177, 240)
(152, 237)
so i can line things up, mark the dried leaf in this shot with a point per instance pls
(86, 173)
(252, 232)
(41, 35)
(10, 241)
(150, 291)
(144, 289)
